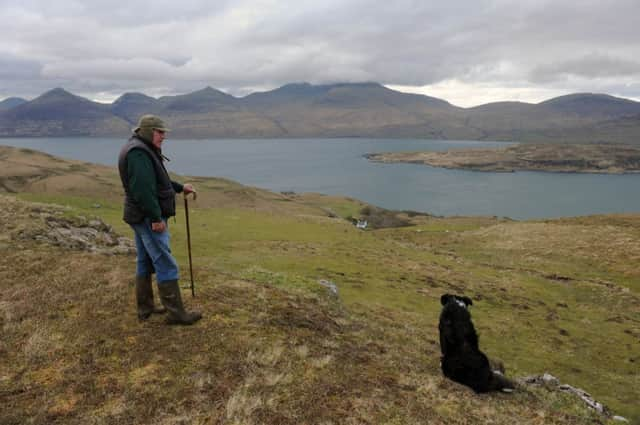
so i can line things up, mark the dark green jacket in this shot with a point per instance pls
(149, 192)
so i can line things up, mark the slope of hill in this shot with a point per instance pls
(346, 95)
(287, 94)
(275, 346)
(573, 118)
(60, 113)
(373, 94)
(131, 106)
(625, 128)
(593, 105)
(355, 110)
(212, 113)
(11, 102)
(205, 100)
(335, 110)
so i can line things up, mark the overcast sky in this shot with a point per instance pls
(465, 51)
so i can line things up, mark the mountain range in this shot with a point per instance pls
(335, 110)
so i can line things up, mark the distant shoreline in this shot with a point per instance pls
(557, 158)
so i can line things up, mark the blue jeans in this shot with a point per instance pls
(153, 252)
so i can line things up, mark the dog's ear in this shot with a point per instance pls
(467, 301)
(445, 299)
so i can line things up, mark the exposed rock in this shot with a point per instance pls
(50, 225)
(552, 383)
(333, 288)
(586, 397)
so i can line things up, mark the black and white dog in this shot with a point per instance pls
(462, 360)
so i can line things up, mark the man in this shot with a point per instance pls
(149, 201)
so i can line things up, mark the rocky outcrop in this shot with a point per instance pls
(552, 383)
(54, 225)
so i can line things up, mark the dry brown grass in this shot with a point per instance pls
(73, 352)
(611, 247)
(28, 170)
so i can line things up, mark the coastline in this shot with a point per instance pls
(564, 158)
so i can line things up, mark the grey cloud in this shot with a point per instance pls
(121, 14)
(169, 46)
(177, 60)
(591, 67)
(13, 68)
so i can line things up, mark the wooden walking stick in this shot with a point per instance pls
(186, 213)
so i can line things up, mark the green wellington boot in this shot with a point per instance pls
(144, 298)
(172, 300)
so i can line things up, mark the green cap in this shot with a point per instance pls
(147, 124)
(151, 122)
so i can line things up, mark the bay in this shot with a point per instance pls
(337, 167)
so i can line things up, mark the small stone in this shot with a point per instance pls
(333, 288)
(549, 379)
(64, 232)
(106, 239)
(125, 241)
(88, 232)
(121, 250)
(96, 224)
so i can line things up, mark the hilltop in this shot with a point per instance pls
(60, 113)
(334, 110)
(275, 346)
(11, 102)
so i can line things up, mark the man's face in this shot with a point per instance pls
(158, 138)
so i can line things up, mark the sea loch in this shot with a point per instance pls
(337, 167)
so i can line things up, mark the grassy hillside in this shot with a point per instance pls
(274, 345)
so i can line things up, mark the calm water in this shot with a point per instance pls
(336, 166)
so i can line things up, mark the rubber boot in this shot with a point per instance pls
(172, 300)
(144, 298)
